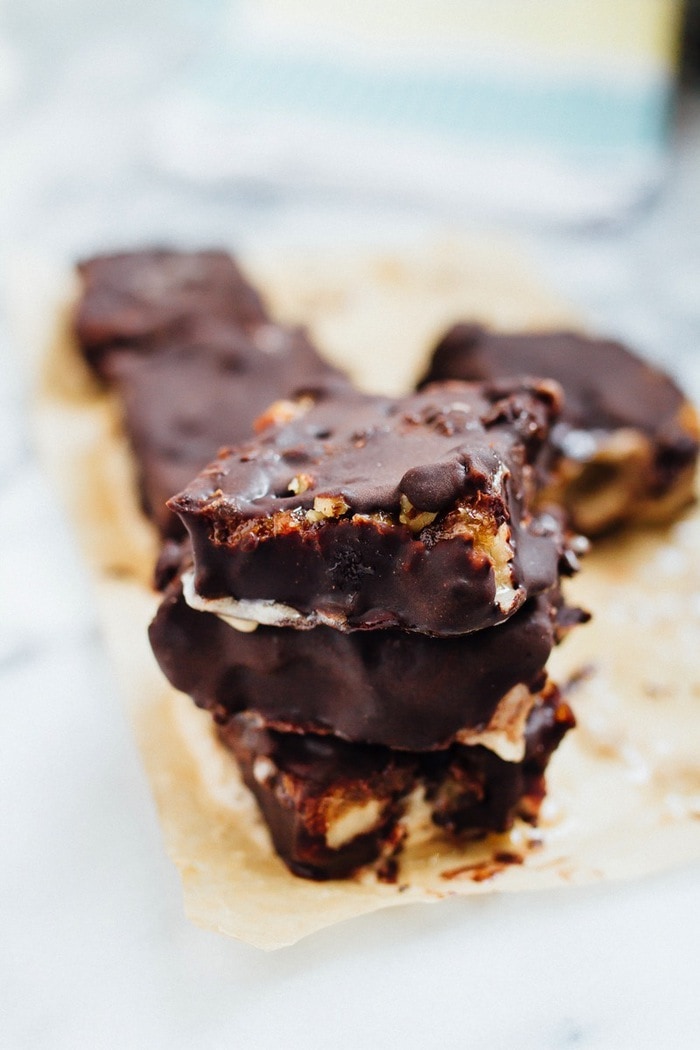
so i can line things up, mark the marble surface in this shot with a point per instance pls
(95, 949)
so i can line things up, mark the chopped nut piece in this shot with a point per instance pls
(300, 483)
(327, 507)
(346, 822)
(282, 411)
(504, 733)
(264, 769)
(416, 520)
(491, 541)
(502, 556)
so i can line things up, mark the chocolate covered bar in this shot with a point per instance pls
(193, 357)
(402, 690)
(362, 512)
(333, 807)
(136, 298)
(627, 440)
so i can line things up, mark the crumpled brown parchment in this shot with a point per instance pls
(624, 787)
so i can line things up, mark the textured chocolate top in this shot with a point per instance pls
(391, 687)
(377, 512)
(606, 386)
(135, 297)
(187, 346)
(193, 394)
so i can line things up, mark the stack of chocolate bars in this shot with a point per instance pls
(368, 614)
(368, 589)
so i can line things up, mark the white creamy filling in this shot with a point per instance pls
(505, 732)
(245, 614)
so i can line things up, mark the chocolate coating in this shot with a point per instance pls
(132, 298)
(189, 397)
(403, 690)
(607, 388)
(193, 358)
(462, 454)
(297, 780)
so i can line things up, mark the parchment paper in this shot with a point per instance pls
(624, 787)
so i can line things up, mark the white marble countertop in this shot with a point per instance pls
(95, 950)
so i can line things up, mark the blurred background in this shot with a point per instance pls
(540, 109)
(230, 121)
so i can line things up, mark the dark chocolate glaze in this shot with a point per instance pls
(469, 790)
(606, 386)
(134, 298)
(400, 689)
(452, 444)
(193, 358)
(434, 447)
(188, 398)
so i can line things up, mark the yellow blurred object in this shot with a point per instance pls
(646, 30)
